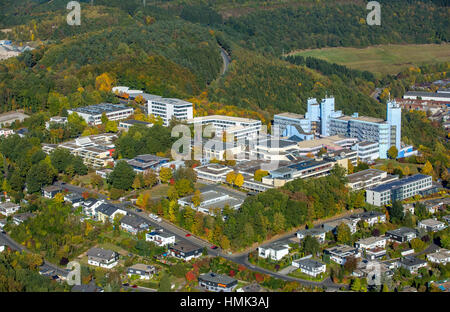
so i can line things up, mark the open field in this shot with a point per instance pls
(382, 59)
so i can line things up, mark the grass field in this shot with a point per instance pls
(383, 59)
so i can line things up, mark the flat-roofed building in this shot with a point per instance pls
(6, 119)
(441, 256)
(212, 200)
(168, 108)
(127, 124)
(428, 96)
(367, 151)
(240, 128)
(431, 225)
(371, 242)
(9, 208)
(387, 193)
(317, 233)
(217, 282)
(95, 150)
(369, 178)
(146, 163)
(93, 114)
(275, 251)
(340, 253)
(213, 172)
(402, 234)
(309, 266)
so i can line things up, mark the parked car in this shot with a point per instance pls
(134, 286)
(126, 284)
(187, 235)
(155, 217)
(214, 247)
(138, 210)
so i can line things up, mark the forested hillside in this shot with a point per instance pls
(171, 48)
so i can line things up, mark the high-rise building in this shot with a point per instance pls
(170, 108)
(328, 122)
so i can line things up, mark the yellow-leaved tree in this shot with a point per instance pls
(104, 82)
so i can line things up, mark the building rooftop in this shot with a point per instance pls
(427, 94)
(184, 246)
(223, 117)
(309, 263)
(291, 115)
(142, 267)
(132, 221)
(217, 278)
(327, 141)
(98, 109)
(100, 253)
(398, 183)
(135, 122)
(371, 240)
(431, 222)
(401, 231)
(411, 261)
(364, 175)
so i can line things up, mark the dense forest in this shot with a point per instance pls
(171, 48)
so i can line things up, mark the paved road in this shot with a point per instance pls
(226, 60)
(242, 258)
(46, 265)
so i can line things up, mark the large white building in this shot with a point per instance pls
(95, 150)
(169, 108)
(93, 114)
(399, 190)
(240, 128)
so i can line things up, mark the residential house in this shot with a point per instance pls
(51, 191)
(160, 238)
(373, 247)
(275, 251)
(90, 205)
(408, 208)
(431, 225)
(185, 250)
(103, 258)
(22, 217)
(217, 282)
(370, 217)
(441, 256)
(9, 208)
(107, 211)
(75, 199)
(340, 253)
(412, 264)
(333, 225)
(309, 266)
(317, 233)
(133, 224)
(401, 235)
(144, 271)
(371, 243)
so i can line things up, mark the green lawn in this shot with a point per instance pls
(383, 59)
(382, 164)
